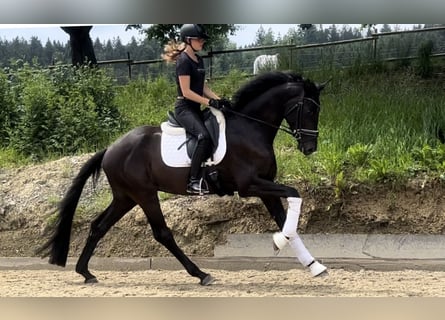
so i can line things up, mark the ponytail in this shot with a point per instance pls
(172, 50)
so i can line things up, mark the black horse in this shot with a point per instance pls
(136, 171)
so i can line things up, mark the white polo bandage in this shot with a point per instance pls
(293, 214)
(302, 253)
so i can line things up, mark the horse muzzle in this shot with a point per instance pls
(307, 147)
(307, 141)
(308, 151)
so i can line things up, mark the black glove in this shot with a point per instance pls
(220, 103)
(215, 104)
(226, 103)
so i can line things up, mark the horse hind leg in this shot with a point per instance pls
(99, 227)
(163, 235)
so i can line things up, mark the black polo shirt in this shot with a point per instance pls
(185, 66)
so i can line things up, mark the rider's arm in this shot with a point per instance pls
(208, 93)
(184, 82)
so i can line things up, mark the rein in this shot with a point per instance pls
(296, 133)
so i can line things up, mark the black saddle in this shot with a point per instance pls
(210, 123)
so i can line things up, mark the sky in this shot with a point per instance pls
(245, 35)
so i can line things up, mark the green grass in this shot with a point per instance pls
(372, 129)
(10, 158)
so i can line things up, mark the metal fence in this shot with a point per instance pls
(388, 46)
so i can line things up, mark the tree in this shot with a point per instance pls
(305, 26)
(82, 50)
(167, 32)
(264, 38)
(35, 50)
(332, 33)
(386, 28)
(48, 57)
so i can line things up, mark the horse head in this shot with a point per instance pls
(302, 113)
(297, 98)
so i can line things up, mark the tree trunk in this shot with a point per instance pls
(82, 51)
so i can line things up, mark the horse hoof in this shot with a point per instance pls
(324, 274)
(91, 280)
(207, 280)
(279, 242)
(318, 270)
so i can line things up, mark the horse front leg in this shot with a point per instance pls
(270, 193)
(288, 224)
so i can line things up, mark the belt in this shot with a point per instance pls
(180, 98)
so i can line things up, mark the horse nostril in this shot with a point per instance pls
(309, 151)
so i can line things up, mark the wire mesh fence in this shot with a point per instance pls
(389, 46)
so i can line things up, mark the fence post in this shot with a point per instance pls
(291, 53)
(374, 46)
(129, 65)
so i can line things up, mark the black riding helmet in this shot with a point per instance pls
(193, 31)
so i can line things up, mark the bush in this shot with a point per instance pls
(146, 102)
(425, 68)
(8, 114)
(63, 111)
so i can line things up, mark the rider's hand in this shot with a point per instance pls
(220, 103)
(215, 103)
(226, 103)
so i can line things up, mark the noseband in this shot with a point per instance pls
(299, 132)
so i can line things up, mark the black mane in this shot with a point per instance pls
(261, 84)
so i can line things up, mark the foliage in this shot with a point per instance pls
(146, 102)
(375, 128)
(60, 111)
(8, 114)
(166, 32)
(431, 158)
(425, 64)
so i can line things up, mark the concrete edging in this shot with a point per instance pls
(226, 263)
(254, 251)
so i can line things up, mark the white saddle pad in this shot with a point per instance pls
(174, 149)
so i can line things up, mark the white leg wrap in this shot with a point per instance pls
(289, 235)
(281, 239)
(305, 258)
(303, 254)
(292, 217)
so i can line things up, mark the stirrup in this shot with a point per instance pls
(198, 187)
(317, 269)
(279, 242)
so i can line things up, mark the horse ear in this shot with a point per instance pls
(320, 86)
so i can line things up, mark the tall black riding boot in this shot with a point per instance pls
(196, 184)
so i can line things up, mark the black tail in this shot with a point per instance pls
(58, 246)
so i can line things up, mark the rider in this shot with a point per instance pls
(193, 92)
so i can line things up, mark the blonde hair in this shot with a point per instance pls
(172, 50)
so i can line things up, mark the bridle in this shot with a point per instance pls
(297, 132)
